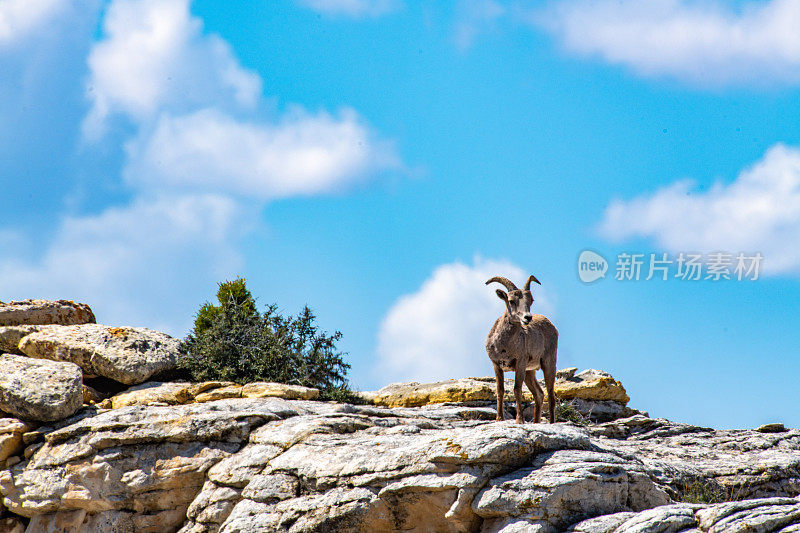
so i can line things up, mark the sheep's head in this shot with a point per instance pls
(518, 301)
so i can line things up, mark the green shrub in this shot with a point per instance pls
(567, 412)
(710, 491)
(232, 341)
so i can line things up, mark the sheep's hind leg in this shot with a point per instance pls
(501, 391)
(538, 394)
(549, 371)
(519, 377)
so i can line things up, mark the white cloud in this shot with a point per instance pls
(20, 18)
(439, 331)
(138, 264)
(301, 154)
(155, 56)
(354, 8)
(198, 169)
(702, 42)
(187, 94)
(758, 212)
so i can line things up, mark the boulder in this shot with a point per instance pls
(566, 486)
(263, 389)
(63, 312)
(152, 393)
(40, 390)
(11, 335)
(127, 355)
(590, 385)
(151, 459)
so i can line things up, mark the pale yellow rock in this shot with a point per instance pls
(153, 392)
(222, 393)
(169, 393)
(588, 385)
(418, 394)
(11, 431)
(36, 312)
(601, 388)
(264, 389)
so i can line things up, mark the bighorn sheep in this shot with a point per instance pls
(522, 343)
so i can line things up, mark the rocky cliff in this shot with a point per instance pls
(208, 457)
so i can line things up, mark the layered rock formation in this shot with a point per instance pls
(222, 457)
(271, 464)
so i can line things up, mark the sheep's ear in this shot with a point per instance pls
(502, 295)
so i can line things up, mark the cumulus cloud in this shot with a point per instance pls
(301, 154)
(190, 99)
(155, 56)
(702, 42)
(136, 264)
(438, 332)
(200, 165)
(353, 8)
(758, 212)
(20, 18)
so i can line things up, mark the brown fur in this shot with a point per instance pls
(523, 343)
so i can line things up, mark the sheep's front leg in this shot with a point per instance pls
(501, 391)
(519, 378)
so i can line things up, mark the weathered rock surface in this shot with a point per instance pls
(741, 463)
(39, 390)
(590, 384)
(155, 393)
(128, 355)
(11, 443)
(11, 335)
(62, 312)
(270, 464)
(760, 515)
(220, 457)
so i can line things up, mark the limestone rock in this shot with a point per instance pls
(39, 390)
(11, 335)
(417, 394)
(768, 514)
(221, 393)
(151, 460)
(11, 442)
(128, 355)
(263, 389)
(301, 466)
(180, 393)
(36, 312)
(590, 385)
(154, 392)
(742, 463)
(566, 486)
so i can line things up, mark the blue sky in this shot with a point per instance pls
(380, 159)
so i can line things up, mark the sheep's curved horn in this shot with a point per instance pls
(528, 283)
(505, 281)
